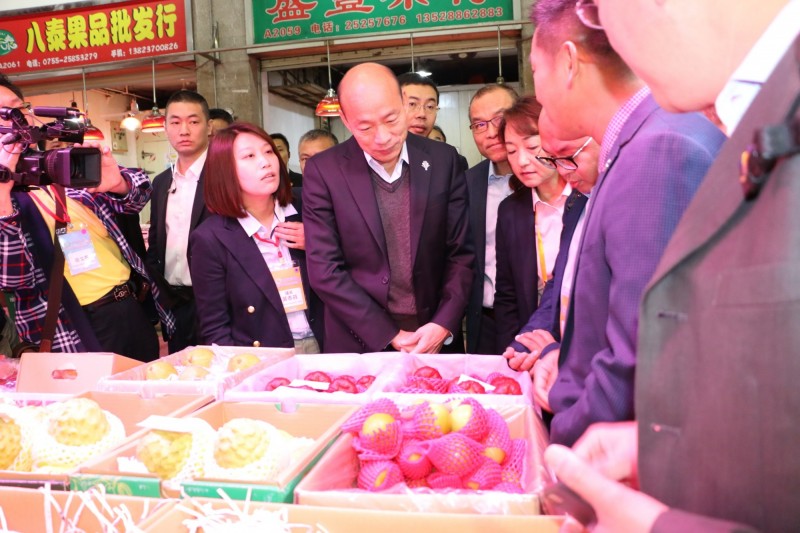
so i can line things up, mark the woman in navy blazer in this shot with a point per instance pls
(247, 260)
(522, 241)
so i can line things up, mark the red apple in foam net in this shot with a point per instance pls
(318, 376)
(274, 383)
(366, 381)
(472, 387)
(343, 384)
(509, 386)
(427, 372)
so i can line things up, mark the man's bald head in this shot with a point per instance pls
(373, 111)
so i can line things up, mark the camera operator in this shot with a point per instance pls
(99, 308)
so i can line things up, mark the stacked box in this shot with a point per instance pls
(332, 482)
(322, 423)
(215, 384)
(386, 368)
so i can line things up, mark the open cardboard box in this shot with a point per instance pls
(381, 365)
(25, 510)
(332, 482)
(452, 366)
(218, 380)
(335, 520)
(68, 373)
(129, 408)
(319, 422)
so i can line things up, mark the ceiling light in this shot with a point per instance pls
(130, 122)
(329, 106)
(92, 133)
(155, 122)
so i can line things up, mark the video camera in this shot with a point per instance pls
(75, 167)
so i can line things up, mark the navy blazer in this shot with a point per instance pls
(157, 236)
(516, 293)
(477, 186)
(348, 263)
(238, 303)
(547, 315)
(653, 171)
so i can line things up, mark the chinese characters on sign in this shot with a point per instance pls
(92, 35)
(283, 20)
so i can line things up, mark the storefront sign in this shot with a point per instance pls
(97, 34)
(284, 20)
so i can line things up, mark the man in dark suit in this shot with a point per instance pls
(421, 100)
(542, 332)
(386, 227)
(651, 164)
(285, 153)
(489, 183)
(177, 208)
(717, 400)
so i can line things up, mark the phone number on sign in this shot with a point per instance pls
(375, 22)
(460, 14)
(76, 58)
(150, 48)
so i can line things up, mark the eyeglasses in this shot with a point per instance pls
(479, 126)
(428, 108)
(567, 163)
(587, 12)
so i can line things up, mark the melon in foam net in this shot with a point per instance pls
(174, 455)
(72, 432)
(15, 439)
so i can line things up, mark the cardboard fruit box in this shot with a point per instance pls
(332, 482)
(319, 422)
(452, 366)
(215, 383)
(335, 520)
(383, 366)
(68, 373)
(128, 407)
(30, 510)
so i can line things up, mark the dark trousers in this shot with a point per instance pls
(123, 327)
(185, 325)
(487, 335)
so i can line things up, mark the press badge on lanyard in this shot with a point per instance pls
(79, 252)
(290, 285)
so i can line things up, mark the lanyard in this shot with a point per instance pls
(540, 254)
(65, 220)
(275, 242)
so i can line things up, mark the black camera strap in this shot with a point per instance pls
(56, 274)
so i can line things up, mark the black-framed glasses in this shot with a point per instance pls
(428, 108)
(588, 14)
(567, 163)
(479, 126)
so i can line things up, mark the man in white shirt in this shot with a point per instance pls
(714, 444)
(177, 208)
(489, 182)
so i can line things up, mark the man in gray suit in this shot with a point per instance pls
(717, 400)
(651, 164)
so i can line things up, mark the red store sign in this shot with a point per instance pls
(87, 36)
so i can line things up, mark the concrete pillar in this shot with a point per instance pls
(235, 82)
(524, 49)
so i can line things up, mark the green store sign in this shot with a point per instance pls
(286, 20)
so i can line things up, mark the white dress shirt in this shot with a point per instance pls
(497, 191)
(398, 168)
(569, 269)
(277, 257)
(549, 223)
(758, 64)
(180, 201)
